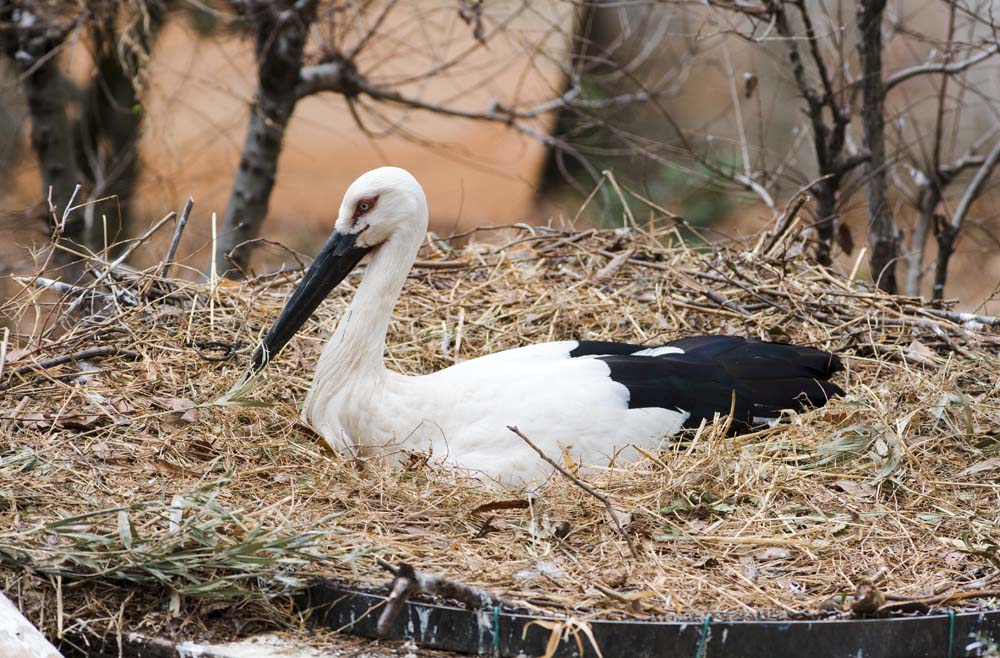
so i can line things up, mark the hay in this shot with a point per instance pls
(115, 473)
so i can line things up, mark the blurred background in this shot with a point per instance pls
(871, 127)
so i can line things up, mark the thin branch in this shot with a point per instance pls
(176, 239)
(813, 40)
(328, 76)
(962, 318)
(850, 163)
(975, 187)
(82, 355)
(943, 68)
(757, 189)
(360, 45)
(958, 166)
(583, 485)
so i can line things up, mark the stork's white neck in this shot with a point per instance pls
(355, 351)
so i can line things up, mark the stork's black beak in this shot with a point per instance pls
(332, 265)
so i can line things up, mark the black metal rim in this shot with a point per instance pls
(509, 633)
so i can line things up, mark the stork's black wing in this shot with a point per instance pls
(716, 374)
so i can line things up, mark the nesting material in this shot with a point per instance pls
(117, 472)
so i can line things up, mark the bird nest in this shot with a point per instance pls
(131, 501)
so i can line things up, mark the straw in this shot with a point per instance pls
(117, 475)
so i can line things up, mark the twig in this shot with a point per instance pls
(61, 287)
(3, 349)
(111, 267)
(82, 355)
(974, 188)
(791, 211)
(942, 599)
(583, 485)
(408, 581)
(962, 318)
(174, 241)
(944, 68)
(950, 230)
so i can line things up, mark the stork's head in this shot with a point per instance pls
(382, 205)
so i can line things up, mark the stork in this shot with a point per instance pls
(593, 398)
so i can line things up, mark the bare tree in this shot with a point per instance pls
(108, 131)
(934, 168)
(341, 68)
(883, 235)
(96, 148)
(848, 98)
(32, 37)
(280, 30)
(859, 118)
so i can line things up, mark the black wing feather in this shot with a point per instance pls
(719, 374)
(604, 348)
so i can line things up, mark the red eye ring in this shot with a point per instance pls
(364, 206)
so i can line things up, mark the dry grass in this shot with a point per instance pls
(114, 470)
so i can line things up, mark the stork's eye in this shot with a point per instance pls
(364, 205)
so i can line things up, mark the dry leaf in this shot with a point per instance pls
(772, 553)
(991, 464)
(563, 630)
(122, 406)
(856, 489)
(34, 420)
(79, 422)
(13, 356)
(749, 567)
(609, 270)
(166, 468)
(920, 353)
(615, 577)
(101, 450)
(184, 411)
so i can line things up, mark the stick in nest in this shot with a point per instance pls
(82, 355)
(408, 581)
(176, 239)
(586, 487)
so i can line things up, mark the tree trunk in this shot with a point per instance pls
(930, 197)
(595, 27)
(826, 219)
(31, 46)
(946, 234)
(883, 236)
(280, 33)
(107, 135)
(13, 113)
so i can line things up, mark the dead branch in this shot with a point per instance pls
(942, 68)
(407, 581)
(940, 599)
(586, 487)
(176, 239)
(948, 231)
(81, 355)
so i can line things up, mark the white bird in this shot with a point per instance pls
(591, 398)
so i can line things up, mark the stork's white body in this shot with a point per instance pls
(461, 414)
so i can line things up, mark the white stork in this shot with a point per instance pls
(597, 397)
